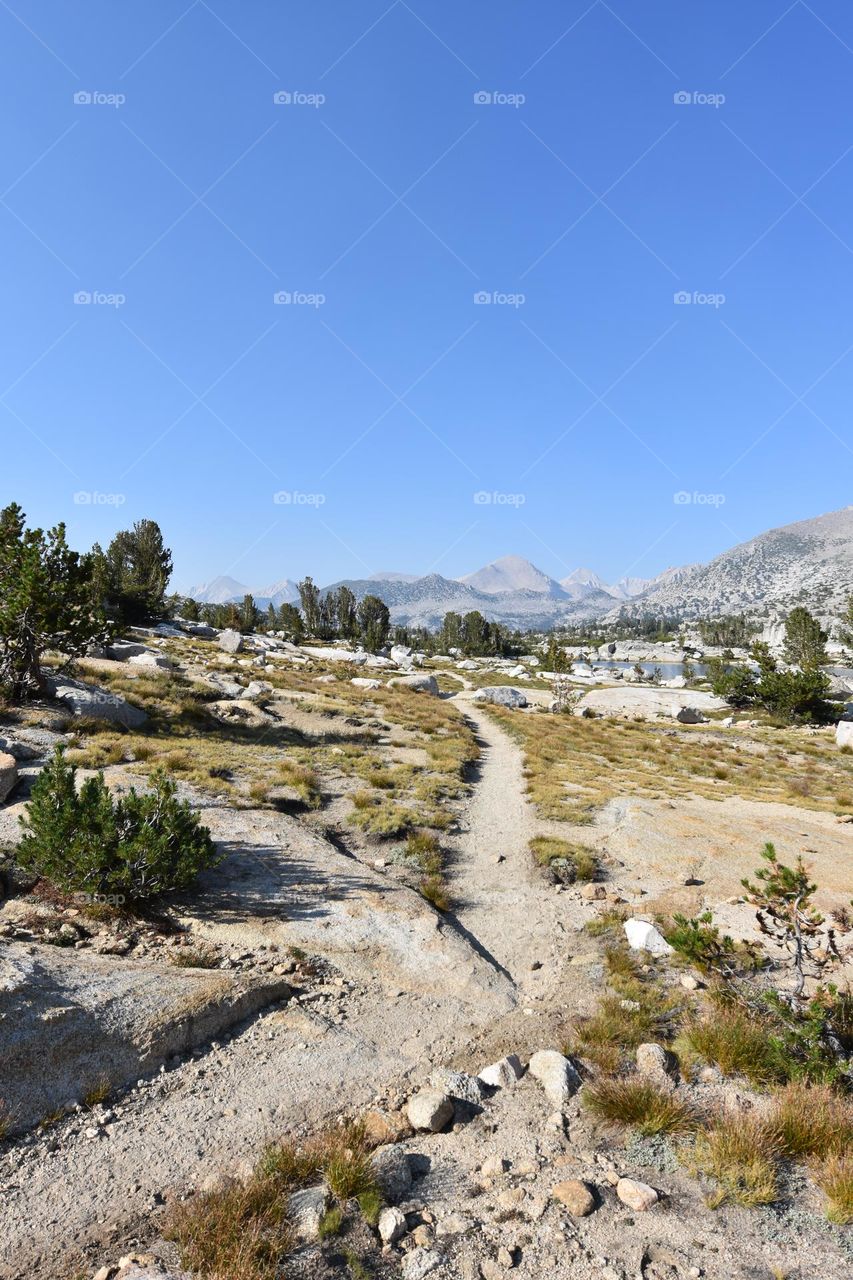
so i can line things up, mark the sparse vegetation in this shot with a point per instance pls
(568, 861)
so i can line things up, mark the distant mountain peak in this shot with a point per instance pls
(512, 573)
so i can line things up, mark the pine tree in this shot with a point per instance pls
(309, 599)
(374, 622)
(46, 602)
(140, 566)
(805, 641)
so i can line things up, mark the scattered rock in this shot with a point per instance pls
(393, 1173)
(844, 733)
(306, 1209)
(576, 1196)
(653, 1061)
(429, 1110)
(8, 775)
(422, 683)
(382, 1127)
(230, 641)
(392, 1225)
(419, 1263)
(638, 1196)
(88, 700)
(502, 1074)
(504, 695)
(593, 892)
(556, 1074)
(366, 682)
(643, 936)
(458, 1086)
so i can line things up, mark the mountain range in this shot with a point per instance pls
(810, 562)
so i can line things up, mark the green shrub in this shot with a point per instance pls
(132, 848)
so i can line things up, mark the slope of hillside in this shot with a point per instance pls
(808, 563)
(513, 573)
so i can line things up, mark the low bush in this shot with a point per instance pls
(133, 848)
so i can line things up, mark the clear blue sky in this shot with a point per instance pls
(598, 197)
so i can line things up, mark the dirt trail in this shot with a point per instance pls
(502, 902)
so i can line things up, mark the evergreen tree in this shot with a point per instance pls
(347, 614)
(46, 602)
(805, 641)
(139, 567)
(309, 599)
(290, 622)
(374, 622)
(451, 631)
(248, 613)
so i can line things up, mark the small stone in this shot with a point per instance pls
(392, 1225)
(393, 1173)
(419, 1263)
(429, 1110)
(423, 1235)
(576, 1196)
(638, 1196)
(505, 1258)
(493, 1166)
(593, 892)
(306, 1209)
(556, 1074)
(502, 1074)
(653, 1061)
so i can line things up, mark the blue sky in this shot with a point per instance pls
(580, 197)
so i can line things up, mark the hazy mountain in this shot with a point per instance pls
(384, 576)
(225, 590)
(809, 563)
(582, 581)
(512, 573)
(218, 591)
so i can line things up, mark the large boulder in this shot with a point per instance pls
(844, 733)
(230, 641)
(422, 683)
(122, 650)
(150, 660)
(8, 775)
(90, 700)
(649, 702)
(503, 695)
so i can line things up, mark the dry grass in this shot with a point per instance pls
(640, 1104)
(638, 1008)
(97, 1092)
(194, 958)
(811, 1120)
(574, 766)
(243, 1230)
(549, 849)
(834, 1176)
(740, 1152)
(738, 1044)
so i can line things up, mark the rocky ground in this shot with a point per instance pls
(357, 996)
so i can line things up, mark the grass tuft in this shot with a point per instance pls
(811, 1120)
(640, 1104)
(834, 1176)
(737, 1044)
(740, 1152)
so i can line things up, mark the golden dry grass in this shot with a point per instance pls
(573, 766)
